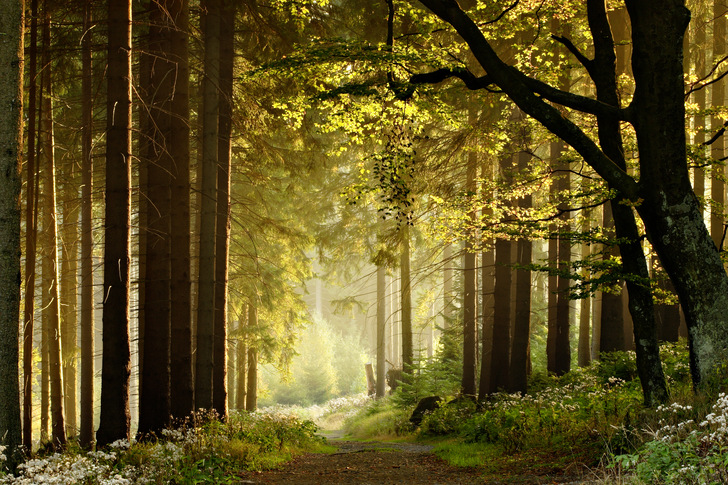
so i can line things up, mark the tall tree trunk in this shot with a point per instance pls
(406, 299)
(562, 314)
(520, 350)
(641, 306)
(488, 296)
(470, 297)
(204, 363)
(68, 293)
(251, 395)
(500, 356)
(86, 434)
(717, 186)
(31, 232)
(58, 430)
(381, 329)
(154, 399)
(11, 139)
(242, 361)
(222, 243)
(182, 385)
(116, 365)
(584, 349)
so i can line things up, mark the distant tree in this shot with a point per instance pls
(86, 432)
(51, 316)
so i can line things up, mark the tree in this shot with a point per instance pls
(51, 315)
(31, 231)
(158, 78)
(222, 237)
(206, 291)
(666, 203)
(11, 136)
(86, 432)
(182, 385)
(116, 365)
(470, 317)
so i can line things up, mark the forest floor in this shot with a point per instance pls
(387, 462)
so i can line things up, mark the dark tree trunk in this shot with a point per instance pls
(251, 395)
(154, 399)
(204, 360)
(182, 386)
(116, 364)
(222, 243)
(11, 140)
(520, 350)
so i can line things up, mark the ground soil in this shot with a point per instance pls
(379, 463)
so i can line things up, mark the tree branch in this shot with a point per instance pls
(525, 98)
(585, 61)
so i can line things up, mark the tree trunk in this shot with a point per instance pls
(182, 385)
(58, 431)
(154, 399)
(584, 349)
(11, 139)
(487, 276)
(204, 363)
(86, 434)
(406, 299)
(68, 294)
(500, 357)
(242, 362)
(222, 243)
(116, 364)
(562, 314)
(381, 329)
(717, 152)
(520, 350)
(641, 305)
(470, 297)
(251, 396)
(31, 232)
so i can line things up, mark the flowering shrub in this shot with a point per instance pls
(684, 449)
(202, 450)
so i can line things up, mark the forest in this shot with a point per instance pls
(230, 229)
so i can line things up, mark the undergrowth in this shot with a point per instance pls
(203, 450)
(589, 419)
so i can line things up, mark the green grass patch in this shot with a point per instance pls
(457, 453)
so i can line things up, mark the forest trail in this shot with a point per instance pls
(379, 463)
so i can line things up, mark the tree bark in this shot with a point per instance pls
(520, 344)
(406, 299)
(717, 148)
(11, 139)
(86, 434)
(222, 243)
(182, 385)
(470, 284)
(58, 430)
(251, 395)
(381, 329)
(116, 364)
(154, 399)
(31, 233)
(204, 363)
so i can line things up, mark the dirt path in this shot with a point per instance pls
(368, 463)
(375, 463)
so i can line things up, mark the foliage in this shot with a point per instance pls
(204, 450)
(328, 365)
(379, 419)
